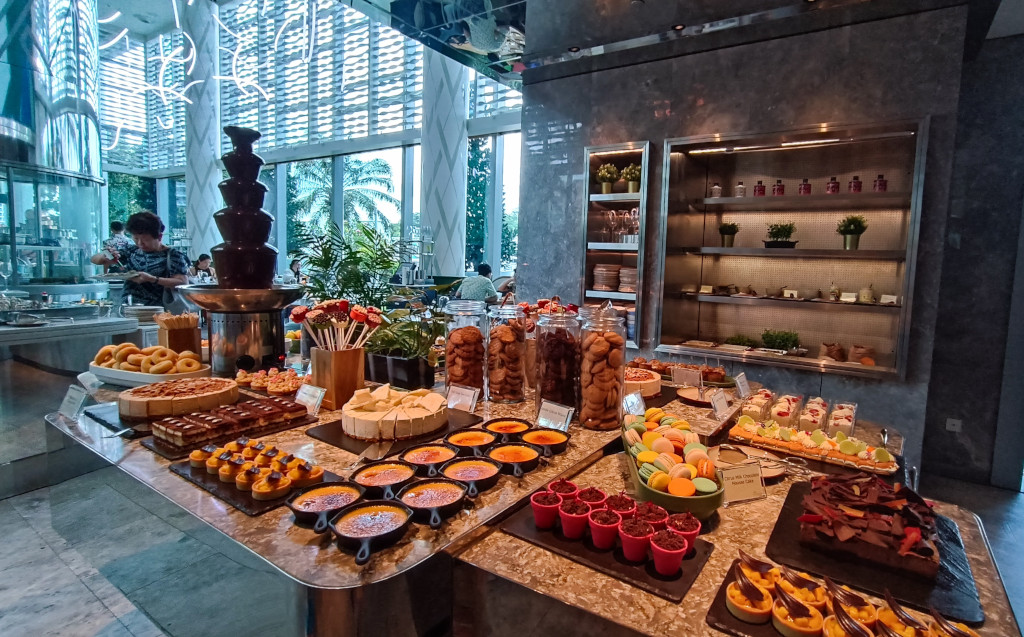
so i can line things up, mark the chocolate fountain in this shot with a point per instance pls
(245, 322)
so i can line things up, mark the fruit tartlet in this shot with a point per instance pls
(899, 621)
(803, 588)
(842, 625)
(793, 618)
(746, 600)
(855, 606)
(764, 574)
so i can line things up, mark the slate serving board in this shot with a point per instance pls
(332, 434)
(226, 491)
(953, 593)
(171, 452)
(107, 415)
(611, 562)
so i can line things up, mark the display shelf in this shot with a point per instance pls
(856, 201)
(802, 303)
(613, 247)
(629, 197)
(777, 360)
(794, 253)
(617, 296)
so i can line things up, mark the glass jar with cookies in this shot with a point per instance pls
(465, 343)
(506, 355)
(602, 369)
(558, 359)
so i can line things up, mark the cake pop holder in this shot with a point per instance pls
(339, 373)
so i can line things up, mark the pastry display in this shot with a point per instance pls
(386, 413)
(863, 516)
(785, 410)
(246, 462)
(746, 600)
(838, 449)
(176, 397)
(758, 405)
(464, 357)
(506, 360)
(601, 378)
(245, 417)
(128, 357)
(841, 419)
(644, 381)
(274, 381)
(813, 415)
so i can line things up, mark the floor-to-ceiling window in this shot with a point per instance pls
(372, 190)
(492, 202)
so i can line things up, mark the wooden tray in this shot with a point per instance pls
(953, 593)
(332, 434)
(241, 500)
(172, 452)
(108, 415)
(611, 561)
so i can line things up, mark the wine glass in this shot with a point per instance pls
(5, 272)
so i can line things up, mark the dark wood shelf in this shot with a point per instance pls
(794, 253)
(799, 303)
(794, 202)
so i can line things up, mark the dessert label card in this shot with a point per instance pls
(310, 396)
(742, 386)
(73, 402)
(554, 416)
(888, 299)
(720, 405)
(462, 397)
(634, 404)
(848, 297)
(706, 289)
(686, 376)
(90, 382)
(743, 483)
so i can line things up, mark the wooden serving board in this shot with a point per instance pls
(332, 434)
(611, 562)
(953, 592)
(172, 452)
(226, 491)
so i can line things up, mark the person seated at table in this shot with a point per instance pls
(159, 266)
(479, 287)
(202, 271)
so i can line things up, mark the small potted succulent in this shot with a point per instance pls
(728, 232)
(780, 235)
(632, 174)
(851, 228)
(607, 175)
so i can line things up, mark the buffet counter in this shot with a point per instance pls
(60, 331)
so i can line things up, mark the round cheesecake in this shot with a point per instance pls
(390, 414)
(645, 381)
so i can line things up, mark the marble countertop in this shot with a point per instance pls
(311, 559)
(59, 330)
(744, 526)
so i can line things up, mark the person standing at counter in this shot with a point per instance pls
(160, 267)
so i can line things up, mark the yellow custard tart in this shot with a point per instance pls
(306, 474)
(249, 475)
(432, 494)
(938, 631)
(429, 455)
(326, 498)
(383, 474)
(371, 521)
(470, 470)
(803, 588)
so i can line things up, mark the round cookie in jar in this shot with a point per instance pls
(602, 369)
(465, 343)
(558, 359)
(506, 355)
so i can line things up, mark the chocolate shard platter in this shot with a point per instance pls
(953, 592)
(611, 561)
(332, 434)
(226, 491)
(172, 452)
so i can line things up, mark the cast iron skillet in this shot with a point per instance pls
(319, 518)
(475, 487)
(387, 491)
(432, 469)
(434, 515)
(508, 437)
(476, 450)
(517, 469)
(553, 449)
(365, 545)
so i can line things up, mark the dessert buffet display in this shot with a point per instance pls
(128, 365)
(273, 381)
(241, 418)
(386, 413)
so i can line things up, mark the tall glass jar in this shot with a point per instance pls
(506, 355)
(465, 343)
(602, 370)
(558, 359)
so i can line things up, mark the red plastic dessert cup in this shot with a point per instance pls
(573, 515)
(651, 513)
(668, 549)
(545, 508)
(622, 504)
(686, 525)
(636, 538)
(564, 488)
(592, 496)
(604, 528)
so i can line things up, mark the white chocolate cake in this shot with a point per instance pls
(390, 414)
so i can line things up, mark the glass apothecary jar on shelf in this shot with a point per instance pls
(558, 359)
(506, 355)
(602, 369)
(465, 343)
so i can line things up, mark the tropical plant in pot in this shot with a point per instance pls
(851, 228)
(728, 232)
(401, 352)
(780, 235)
(632, 174)
(607, 174)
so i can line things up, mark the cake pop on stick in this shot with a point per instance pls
(358, 315)
(318, 320)
(373, 321)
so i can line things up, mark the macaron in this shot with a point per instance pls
(650, 437)
(682, 487)
(694, 445)
(691, 437)
(680, 471)
(645, 457)
(638, 427)
(659, 481)
(632, 437)
(662, 445)
(674, 435)
(703, 485)
(693, 456)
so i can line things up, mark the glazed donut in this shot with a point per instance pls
(109, 363)
(186, 365)
(136, 359)
(147, 363)
(163, 354)
(122, 354)
(128, 367)
(189, 354)
(161, 368)
(124, 346)
(106, 353)
(152, 349)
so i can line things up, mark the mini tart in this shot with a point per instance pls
(817, 598)
(198, 457)
(306, 474)
(267, 457)
(799, 626)
(273, 486)
(831, 628)
(938, 632)
(284, 464)
(745, 610)
(237, 446)
(249, 475)
(866, 615)
(766, 581)
(229, 470)
(889, 618)
(214, 462)
(251, 451)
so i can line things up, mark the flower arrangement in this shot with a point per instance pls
(335, 326)
(632, 172)
(607, 173)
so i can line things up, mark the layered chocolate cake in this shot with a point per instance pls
(863, 516)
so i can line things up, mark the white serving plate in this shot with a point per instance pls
(137, 379)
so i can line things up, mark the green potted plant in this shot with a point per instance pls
(728, 232)
(607, 175)
(788, 342)
(632, 174)
(780, 235)
(851, 228)
(401, 351)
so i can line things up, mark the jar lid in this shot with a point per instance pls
(560, 319)
(506, 311)
(463, 306)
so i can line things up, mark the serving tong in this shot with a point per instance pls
(795, 466)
